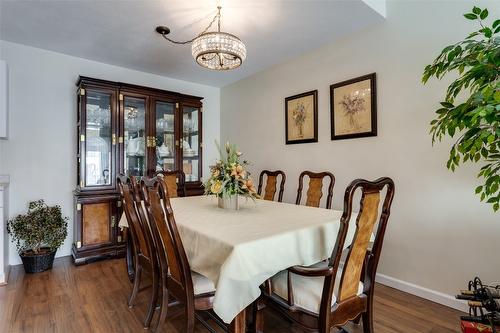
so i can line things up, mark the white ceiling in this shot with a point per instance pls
(122, 32)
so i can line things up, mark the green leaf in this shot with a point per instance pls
(487, 32)
(447, 105)
(496, 96)
(484, 14)
(470, 16)
(476, 10)
(479, 189)
(496, 23)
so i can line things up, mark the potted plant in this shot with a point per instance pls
(38, 234)
(471, 107)
(229, 179)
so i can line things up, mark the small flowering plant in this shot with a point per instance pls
(228, 176)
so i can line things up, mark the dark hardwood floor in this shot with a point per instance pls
(93, 298)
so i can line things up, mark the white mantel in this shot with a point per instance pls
(4, 238)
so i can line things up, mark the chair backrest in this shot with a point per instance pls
(315, 188)
(175, 181)
(359, 257)
(271, 182)
(173, 256)
(139, 234)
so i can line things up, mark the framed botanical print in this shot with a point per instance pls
(301, 118)
(353, 106)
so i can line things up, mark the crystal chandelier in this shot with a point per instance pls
(213, 49)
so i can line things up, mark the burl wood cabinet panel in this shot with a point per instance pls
(96, 228)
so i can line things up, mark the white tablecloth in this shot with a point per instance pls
(239, 250)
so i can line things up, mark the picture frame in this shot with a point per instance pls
(353, 108)
(301, 118)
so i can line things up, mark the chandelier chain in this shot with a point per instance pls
(217, 16)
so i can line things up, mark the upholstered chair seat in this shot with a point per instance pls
(306, 291)
(202, 284)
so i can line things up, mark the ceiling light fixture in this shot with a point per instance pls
(213, 49)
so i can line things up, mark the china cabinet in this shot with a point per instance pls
(134, 130)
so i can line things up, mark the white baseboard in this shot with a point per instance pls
(429, 294)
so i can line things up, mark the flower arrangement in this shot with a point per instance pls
(228, 176)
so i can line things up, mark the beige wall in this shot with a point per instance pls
(440, 235)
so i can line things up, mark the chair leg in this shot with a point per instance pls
(163, 310)
(137, 283)
(368, 317)
(258, 316)
(189, 319)
(154, 300)
(129, 258)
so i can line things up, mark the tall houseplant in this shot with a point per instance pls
(471, 107)
(38, 234)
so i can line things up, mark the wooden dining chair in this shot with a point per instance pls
(271, 182)
(315, 188)
(143, 246)
(193, 290)
(309, 295)
(175, 181)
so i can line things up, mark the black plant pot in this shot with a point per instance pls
(34, 263)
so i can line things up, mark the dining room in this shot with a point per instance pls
(250, 166)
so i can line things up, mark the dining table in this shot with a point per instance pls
(238, 250)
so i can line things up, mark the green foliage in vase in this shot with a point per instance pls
(41, 226)
(228, 176)
(471, 108)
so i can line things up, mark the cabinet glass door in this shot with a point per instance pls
(134, 135)
(98, 139)
(190, 143)
(165, 135)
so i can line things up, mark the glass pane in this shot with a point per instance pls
(134, 136)
(165, 136)
(98, 139)
(190, 143)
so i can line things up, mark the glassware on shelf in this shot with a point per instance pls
(135, 131)
(169, 122)
(165, 136)
(163, 150)
(98, 139)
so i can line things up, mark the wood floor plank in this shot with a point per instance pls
(93, 298)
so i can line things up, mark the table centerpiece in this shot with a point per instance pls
(229, 178)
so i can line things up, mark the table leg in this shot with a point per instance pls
(238, 325)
